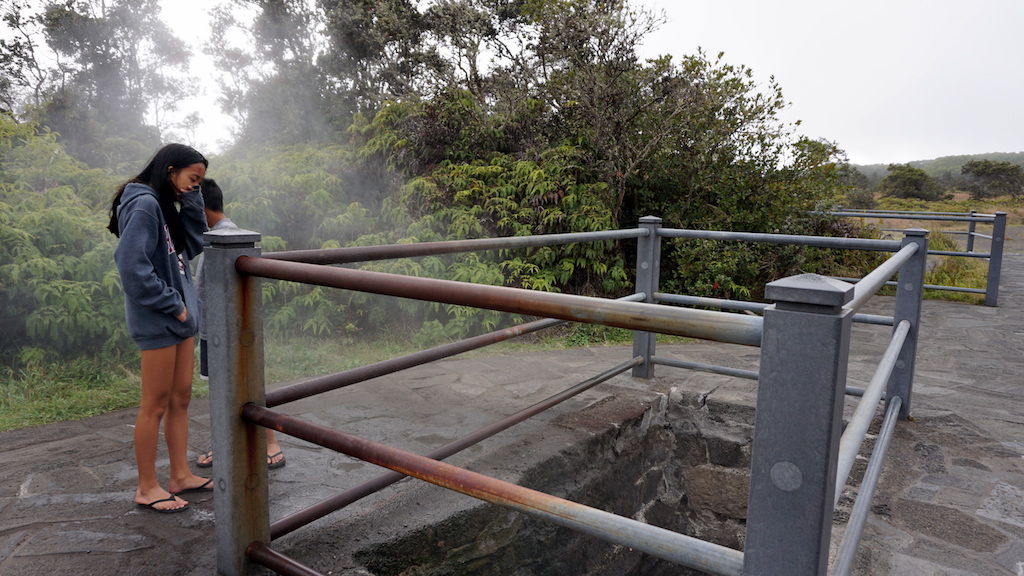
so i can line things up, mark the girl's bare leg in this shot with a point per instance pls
(157, 370)
(176, 420)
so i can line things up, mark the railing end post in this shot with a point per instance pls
(995, 261)
(232, 238)
(648, 271)
(234, 326)
(798, 425)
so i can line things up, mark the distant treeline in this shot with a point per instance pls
(981, 175)
(938, 167)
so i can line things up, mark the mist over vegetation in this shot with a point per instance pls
(372, 122)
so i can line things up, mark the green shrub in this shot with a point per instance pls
(59, 292)
(860, 198)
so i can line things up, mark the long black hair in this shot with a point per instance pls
(157, 175)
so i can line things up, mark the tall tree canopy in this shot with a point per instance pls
(273, 85)
(368, 122)
(105, 75)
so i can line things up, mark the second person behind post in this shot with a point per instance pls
(216, 219)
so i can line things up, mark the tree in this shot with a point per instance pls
(988, 178)
(99, 73)
(620, 111)
(466, 30)
(24, 75)
(721, 150)
(859, 192)
(905, 181)
(697, 142)
(377, 51)
(273, 86)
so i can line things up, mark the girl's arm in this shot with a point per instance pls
(139, 230)
(193, 218)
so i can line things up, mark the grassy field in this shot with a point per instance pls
(44, 394)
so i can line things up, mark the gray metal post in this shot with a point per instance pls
(648, 269)
(909, 298)
(995, 260)
(970, 232)
(798, 425)
(234, 324)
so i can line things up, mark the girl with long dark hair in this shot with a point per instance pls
(156, 241)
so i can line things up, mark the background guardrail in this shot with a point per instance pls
(994, 256)
(804, 338)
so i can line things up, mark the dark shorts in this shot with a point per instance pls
(204, 365)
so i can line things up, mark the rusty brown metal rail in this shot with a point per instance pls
(659, 542)
(280, 563)
(704, 324)
(299, 519)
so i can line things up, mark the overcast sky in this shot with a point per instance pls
(890, 81)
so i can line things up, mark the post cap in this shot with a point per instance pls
(810, 289)
(231, 237)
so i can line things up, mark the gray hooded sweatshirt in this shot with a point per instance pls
(156, 280)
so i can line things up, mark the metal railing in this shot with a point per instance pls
(804, 339)
(994, 256)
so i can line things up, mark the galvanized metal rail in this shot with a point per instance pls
(757, 307)
(390, 251)
(870, 284)
(857, 427)
(973, 218)
(817, 241)
(862, 507)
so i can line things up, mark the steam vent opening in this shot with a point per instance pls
(649, 451)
